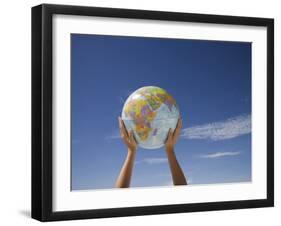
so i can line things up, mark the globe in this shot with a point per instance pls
(150, 112)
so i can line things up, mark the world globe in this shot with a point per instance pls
(150, 112)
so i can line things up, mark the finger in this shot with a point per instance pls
(178, 129)
(124, 128)
(169, 135)
(121, 127)
(132, 137)
(179, 125)
(123, 131)
(119, 123)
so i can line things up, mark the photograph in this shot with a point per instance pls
(153, 112)
(140, 112)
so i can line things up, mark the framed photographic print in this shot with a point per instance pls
(145, 112)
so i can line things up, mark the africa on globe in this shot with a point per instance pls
(150, 112)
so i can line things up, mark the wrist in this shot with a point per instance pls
(131, 151)
(170, 149)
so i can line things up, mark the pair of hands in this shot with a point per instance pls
(124, 178)
(130, 141)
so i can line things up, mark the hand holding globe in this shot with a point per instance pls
(173, 136)
(128, 137)
(150, 118)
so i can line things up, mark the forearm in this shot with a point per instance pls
(124, 177)
(177, 173)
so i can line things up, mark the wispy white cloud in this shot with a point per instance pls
(222, 130)
(113, 136)
(220, 154)
(153, 161)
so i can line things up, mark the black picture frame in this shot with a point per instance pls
(42, 111)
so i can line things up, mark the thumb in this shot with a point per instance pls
(131, 135)
(169, 134)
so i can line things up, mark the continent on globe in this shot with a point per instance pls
(150, 112)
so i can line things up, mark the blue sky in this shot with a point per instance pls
(211, 82)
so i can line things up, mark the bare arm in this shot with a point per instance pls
(177, 173)
(124, 178)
